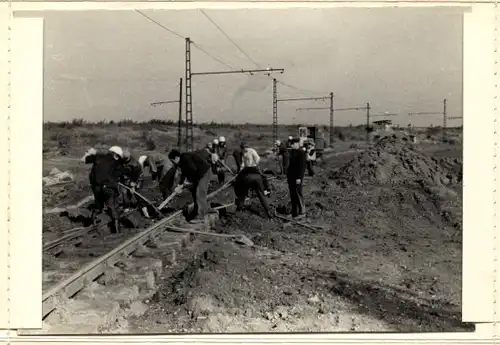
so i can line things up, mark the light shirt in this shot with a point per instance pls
(250, 158)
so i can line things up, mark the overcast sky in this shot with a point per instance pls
(111, 65)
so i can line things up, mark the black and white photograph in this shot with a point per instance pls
(252, 171)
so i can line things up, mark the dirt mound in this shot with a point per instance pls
(394, 160)
(210, 282)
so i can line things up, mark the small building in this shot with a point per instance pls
(382, 125)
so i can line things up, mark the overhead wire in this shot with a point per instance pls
(184, 37)
(303, 91)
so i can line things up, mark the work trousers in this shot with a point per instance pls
(256, 170)
(284, 163)
(237, 159)
(199, 192)
(296, 197)
(221, 175)
(309, 167)
(244, 184)
(106, 196)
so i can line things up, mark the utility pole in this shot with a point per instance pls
(368, 123)
(332, 110)
(444, 120)
(189, 99)
(276, 100)
(190, 74)
(179, 123)
(275, 111)
(331, 120)
(445, 117)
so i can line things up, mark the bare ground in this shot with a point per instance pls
(388, 257)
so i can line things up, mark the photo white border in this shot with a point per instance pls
(24, 228)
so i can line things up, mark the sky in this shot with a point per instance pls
(107, 65)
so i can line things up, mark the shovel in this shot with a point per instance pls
(307, 226)
(227, 168)
(168, 199)
(143, 198)
(241, 239)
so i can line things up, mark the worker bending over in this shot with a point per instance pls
(250, 164)
(162, 170)
(295, 176)
(106, 172)
(195, 167)
(250, 181)
(238, 157)
(132, 178)
(221, 151)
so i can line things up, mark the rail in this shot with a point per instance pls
(71, 285)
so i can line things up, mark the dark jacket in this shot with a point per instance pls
(194, 165)
(105, 169)
(297, 165)
(132, 170)
(283, 150)
(222, 152)
(238, 154)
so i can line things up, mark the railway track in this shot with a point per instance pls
(89, 269)
(115, 269)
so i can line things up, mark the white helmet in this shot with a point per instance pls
(222, 140)
(278, 142)
(216, 142)
(116, 150)
(290, 137)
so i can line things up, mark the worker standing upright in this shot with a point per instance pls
(222, 153)
(250, 164)
(295, 177)
(106, 171)
(283, 156)
(195, 167)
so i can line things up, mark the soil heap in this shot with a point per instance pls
(394, 160)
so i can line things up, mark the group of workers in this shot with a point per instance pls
(116, 176)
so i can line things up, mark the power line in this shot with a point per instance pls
(229, 38)
(183, 37)
(250, 58)
(160, 25)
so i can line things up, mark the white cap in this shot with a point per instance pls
(290, 137)
(116, 150)
(222, 140)
(278, 142)
(216, 142)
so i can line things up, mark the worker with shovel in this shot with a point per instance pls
(295, 177)
(132, 174)
(221, 151)
(250, 181)
(105, 174)
(250, 164)
(196, 167)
